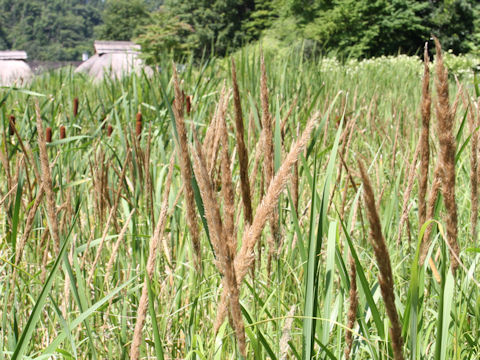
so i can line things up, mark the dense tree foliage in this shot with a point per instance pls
(50, 30)
(121, 18)
(63, 29)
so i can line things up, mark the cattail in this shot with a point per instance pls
(446, 137)
(138, 127)
(424, 139)
(62, 132)
(48, 135)
(385, 278)
(185, 168)
(189, 104)
(11, 125)
(241, 149)
(109, 130)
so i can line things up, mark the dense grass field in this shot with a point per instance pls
(113, 248)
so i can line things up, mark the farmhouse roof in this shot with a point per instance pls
(13, 55)
(112, 47)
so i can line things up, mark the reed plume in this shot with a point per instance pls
(268, 162)
(223, 241)
(245, 256)
(241, 149)
(352, 308)
(47, 181)
(385, 277)
(445, 122)
(424, 138)
(185, 168)
(472, 125)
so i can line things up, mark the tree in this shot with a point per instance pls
(49, 30)
(121, 18)
(216, 24)
(164, 36)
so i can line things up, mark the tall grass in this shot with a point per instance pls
(100, 258)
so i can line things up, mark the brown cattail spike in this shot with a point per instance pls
(75, 107)
(138, 126)
(11, 125)
(189, 104)
(109, 130)
(48, 135)
(62, 132)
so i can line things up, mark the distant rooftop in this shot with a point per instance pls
(13, 55)
(110, 47)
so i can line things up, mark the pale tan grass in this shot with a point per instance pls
(116, 247)
(152, 257)
(111, 214)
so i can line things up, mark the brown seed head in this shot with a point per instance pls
(189, 104)
(138, 127)
(62, 132)
(48, 135)
(75, 107)
(109, 130)
(10, 127)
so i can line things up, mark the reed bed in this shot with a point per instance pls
(251, 207)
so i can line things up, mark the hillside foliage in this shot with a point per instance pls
(63, 29)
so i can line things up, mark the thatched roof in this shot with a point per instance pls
(13, 69)
(110, 47)
(115, 59)
(13, 55)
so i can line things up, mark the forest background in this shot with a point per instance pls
(64, 29)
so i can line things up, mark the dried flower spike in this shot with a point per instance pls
(138, 127)
(11, 125)
(62, 132)
(48, 135)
